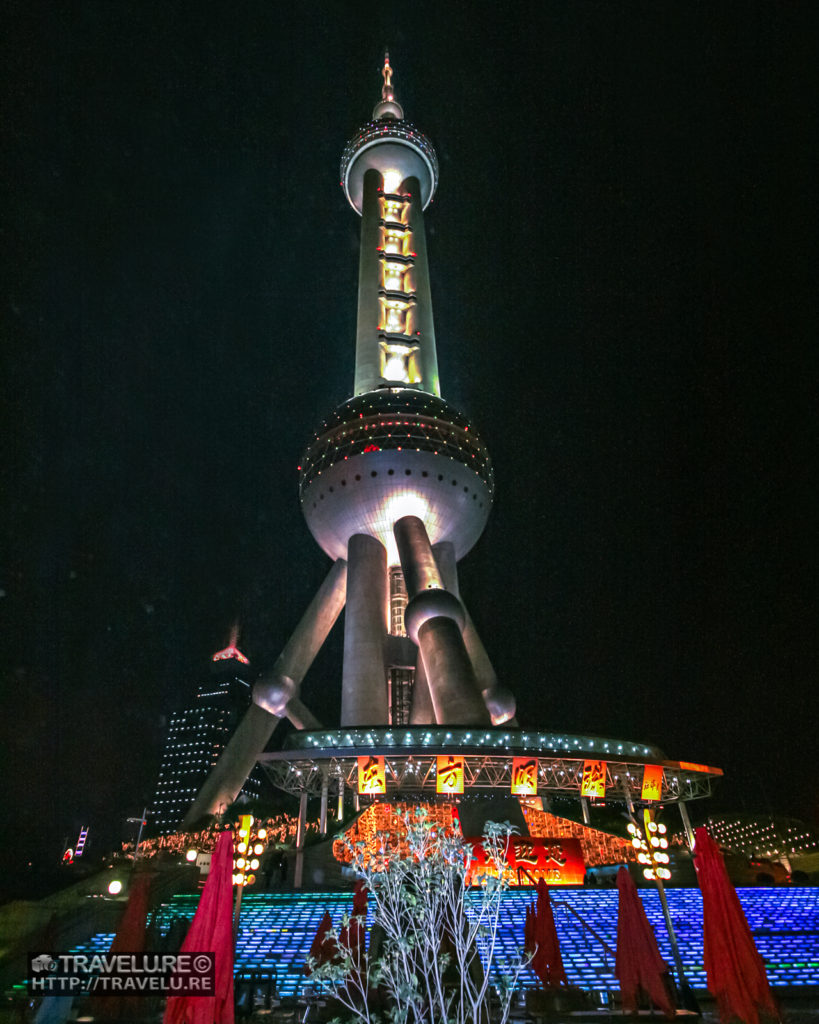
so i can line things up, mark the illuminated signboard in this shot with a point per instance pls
(450, 778)
(652, 782)
(594, 779)
(372, 775)
(524, 776)
(558, 861)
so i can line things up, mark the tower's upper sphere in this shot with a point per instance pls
(390, 453)
(391, 146)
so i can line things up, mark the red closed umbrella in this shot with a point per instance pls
(638, 964)
(547, 963)
(735, 970)
(352, 935)
(211, 931)
(130, 938)
(323, 949)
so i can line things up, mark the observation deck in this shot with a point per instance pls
(388, 145)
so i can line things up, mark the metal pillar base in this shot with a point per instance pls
(500, 703)
(449, 672)
(364, 677)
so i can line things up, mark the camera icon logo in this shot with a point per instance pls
(43, 963)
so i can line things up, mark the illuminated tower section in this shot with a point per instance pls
(389, 173)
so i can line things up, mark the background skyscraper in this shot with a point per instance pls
(197, 734)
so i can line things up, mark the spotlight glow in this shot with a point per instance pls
(392, 180)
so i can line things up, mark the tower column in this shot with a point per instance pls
(435, 619)
(500, 703)
(364, 677)
(367, 352)
(423, 292)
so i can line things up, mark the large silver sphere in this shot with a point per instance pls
(397, 150)
(272, 692)
(500, 704)
(391, 453)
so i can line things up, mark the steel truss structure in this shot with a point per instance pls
(412, 773)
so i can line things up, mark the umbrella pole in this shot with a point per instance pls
(687, 997)
(237, 911)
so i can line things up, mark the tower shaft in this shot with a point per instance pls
(395, 336)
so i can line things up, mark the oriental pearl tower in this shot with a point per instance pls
(396, 487)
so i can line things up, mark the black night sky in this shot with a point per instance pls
(623, 276)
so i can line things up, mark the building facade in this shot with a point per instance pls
(197, 736)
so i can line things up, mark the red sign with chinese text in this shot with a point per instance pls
(524, 776)
(652, 782)
(450, 775)
(558, 861)
(594, 779)
(372, 775)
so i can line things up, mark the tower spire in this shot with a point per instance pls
(388, 109)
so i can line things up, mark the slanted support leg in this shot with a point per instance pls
(275, 695)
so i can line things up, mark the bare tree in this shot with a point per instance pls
(434, 942)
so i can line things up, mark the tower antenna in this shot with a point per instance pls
(388, 108)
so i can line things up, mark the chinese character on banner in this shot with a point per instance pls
(450, 774)
(524, 776)
(557, 861)
(652, 782)
(594, 779)
(372, 775)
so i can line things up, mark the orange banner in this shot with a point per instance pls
(652, 782)
(450, 777)
(372, 775)
(594, 779)
(524, 776)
